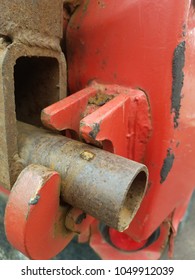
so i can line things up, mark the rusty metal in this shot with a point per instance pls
(32, 70)
(89, 175)
(77, 221)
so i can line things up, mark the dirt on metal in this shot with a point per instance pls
(32, 70)
(101, 184)
(87, 155)
(100, 99)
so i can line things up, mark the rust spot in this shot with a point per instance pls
(87, 155)
(100, 99)
(34, 200)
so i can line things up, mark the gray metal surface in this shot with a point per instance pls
(88, 175)
(184, 245)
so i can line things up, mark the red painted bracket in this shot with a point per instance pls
(109, 116)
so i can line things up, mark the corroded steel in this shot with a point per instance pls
(77, 221)
(38, 26)
(32, 70)
(89, 175)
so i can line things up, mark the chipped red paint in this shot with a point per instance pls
(129, 46)
(34, 220)
(92, 122)
(132, 44)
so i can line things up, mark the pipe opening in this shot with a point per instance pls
(36, 87)
(132, 201)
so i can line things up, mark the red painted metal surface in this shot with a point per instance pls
(34, 220)
(143, 44)
(113, 117)
(132, 67)
(109, 252)
(124, 242)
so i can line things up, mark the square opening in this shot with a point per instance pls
(36, 87)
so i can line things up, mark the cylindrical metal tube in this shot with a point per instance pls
(104, 185)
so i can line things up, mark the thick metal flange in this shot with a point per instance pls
(34, 219)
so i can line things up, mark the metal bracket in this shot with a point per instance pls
(109, 116)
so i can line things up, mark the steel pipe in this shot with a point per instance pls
(106, 186)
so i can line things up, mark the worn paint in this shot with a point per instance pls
(95, 130)
(151, 57)
(101, 4)
(184, 30)
(178, 78)
(34, 200)
(177, 144)
(167, 165)
(80, 218)
(85, 6)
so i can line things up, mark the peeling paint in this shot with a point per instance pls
(80, 218)
(167, 165)
(34, 200)
(178, 78)
(95, 131)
